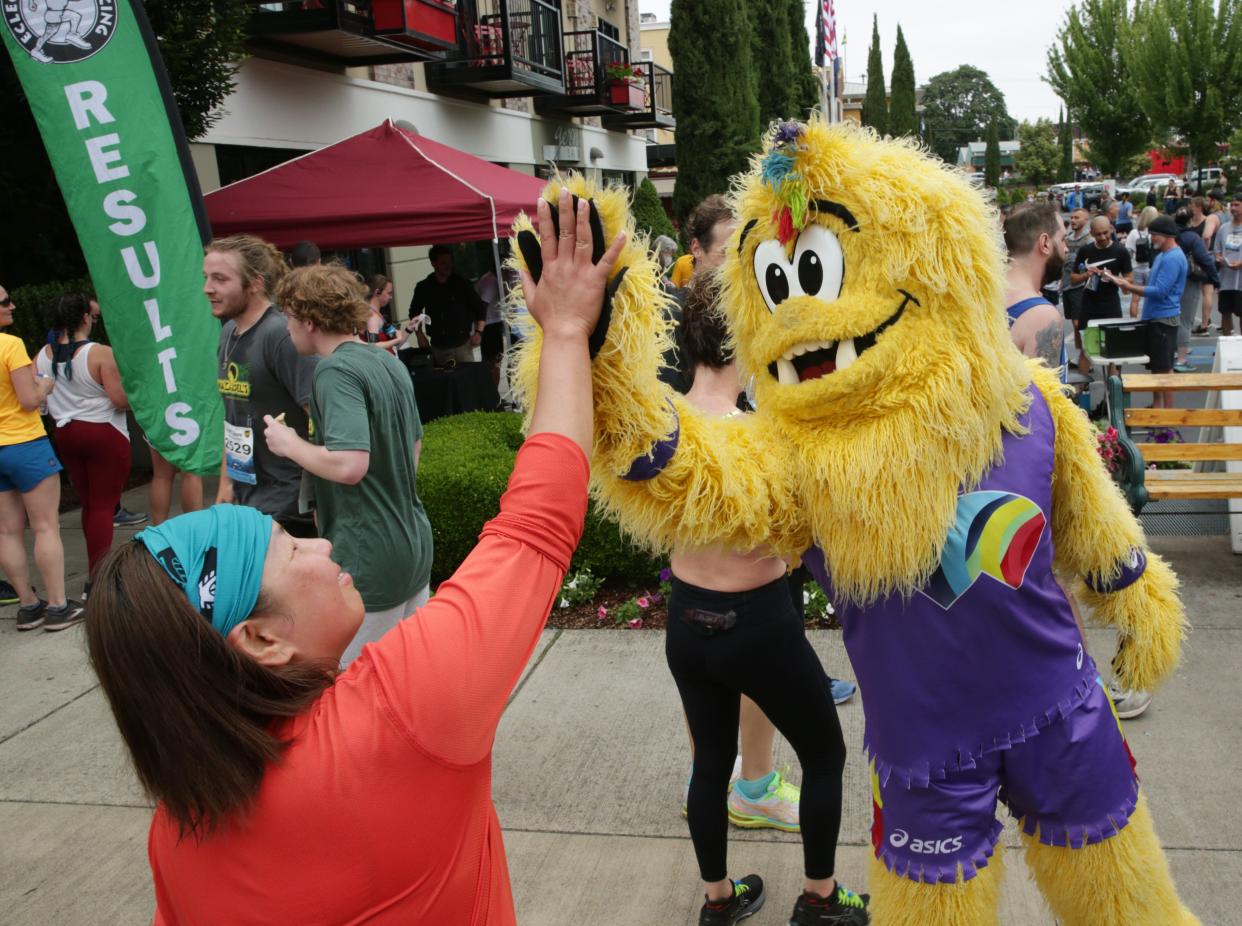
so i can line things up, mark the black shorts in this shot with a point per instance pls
(1161, 346)
(1071, 299)
(1229, 301)
(1089, 313)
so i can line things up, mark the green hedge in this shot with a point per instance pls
(32, 303)
(463, 471)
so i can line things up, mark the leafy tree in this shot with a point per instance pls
(1065, 140)
(1038, 156)
(875, 103)
(958, 107)
(649, 214)
(1186, 60)
(902, 117)
(992, 157)
(1088, 71)
(714, 97)
(200, 41)
(771, 44)
(806, 84)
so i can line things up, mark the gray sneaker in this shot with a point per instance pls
(68, 614)
(30, 616)
(1129, 704)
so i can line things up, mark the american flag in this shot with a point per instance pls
(825, 33)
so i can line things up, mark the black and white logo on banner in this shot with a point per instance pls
(60, 31)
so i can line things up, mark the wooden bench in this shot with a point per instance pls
(1142, 485)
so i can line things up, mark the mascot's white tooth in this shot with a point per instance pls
(845, 354)
(785, 372)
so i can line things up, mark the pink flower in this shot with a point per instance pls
(1112, 433)
(643, 602)
(635, 623)
(603, 613)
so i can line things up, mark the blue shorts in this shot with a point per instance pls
(1073, 784)
(23, 466)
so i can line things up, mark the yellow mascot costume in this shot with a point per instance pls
(940, 487)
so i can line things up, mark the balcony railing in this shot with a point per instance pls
(657, 99)
(343, 31)
(507, 48)
(589, 90)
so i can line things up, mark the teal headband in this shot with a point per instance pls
(216, 557)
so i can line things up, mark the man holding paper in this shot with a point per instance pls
(1100, 296)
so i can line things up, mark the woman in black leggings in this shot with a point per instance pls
(733, 630)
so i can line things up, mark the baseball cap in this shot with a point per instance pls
(1162, 225)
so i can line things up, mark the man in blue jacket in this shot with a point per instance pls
(1201, 268)
(1162, 299)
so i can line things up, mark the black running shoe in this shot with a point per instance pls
(843, 908)
(30, 616)
(68, 614)
(8, 594)
(747, 898)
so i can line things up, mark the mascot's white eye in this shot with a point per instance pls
(818, 268)
(774, 275)
(819, 263)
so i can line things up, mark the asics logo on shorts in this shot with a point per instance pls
(925, 846)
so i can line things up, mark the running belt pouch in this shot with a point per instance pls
(528, 244)
(709, 622)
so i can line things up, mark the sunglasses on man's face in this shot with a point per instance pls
(6, 302)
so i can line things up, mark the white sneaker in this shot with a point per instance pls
(777, 809)
(1129, 704)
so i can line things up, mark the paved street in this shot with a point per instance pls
(589, 765)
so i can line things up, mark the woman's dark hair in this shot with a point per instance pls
(376, 283)
(704, 334)
(66, 310)
(193, 711)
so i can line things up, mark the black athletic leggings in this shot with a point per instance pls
(765, 655)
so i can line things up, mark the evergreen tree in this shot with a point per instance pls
(771, 44)
(875, 103)
(649, 215)
(902, 116)
(992, 157)
(806, 84)
(1089, 72)
(714, 97)
(1065, 138)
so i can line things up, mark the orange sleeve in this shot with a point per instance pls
(447, 670)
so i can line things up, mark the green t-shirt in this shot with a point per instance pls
(362, 399)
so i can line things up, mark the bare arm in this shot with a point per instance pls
(31, 390)
(344, 466)
(102, 364)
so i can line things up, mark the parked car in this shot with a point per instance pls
(1204, 178)
(1144, 182)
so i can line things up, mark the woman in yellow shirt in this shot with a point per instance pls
(29, 488)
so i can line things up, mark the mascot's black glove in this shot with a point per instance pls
(528, 244)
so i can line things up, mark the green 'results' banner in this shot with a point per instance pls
(97, 86)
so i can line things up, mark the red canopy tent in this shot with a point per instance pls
(387, 187)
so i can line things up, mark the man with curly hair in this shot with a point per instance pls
(363, 454)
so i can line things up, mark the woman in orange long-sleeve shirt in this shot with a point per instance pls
(290, 793)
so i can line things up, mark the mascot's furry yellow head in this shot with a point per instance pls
(865, 289)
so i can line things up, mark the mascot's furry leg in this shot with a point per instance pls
(898, 901)
(1122, 881)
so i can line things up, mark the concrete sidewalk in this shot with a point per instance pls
(590, 761)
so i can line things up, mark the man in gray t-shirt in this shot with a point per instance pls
(1227, 246)
(259, 372)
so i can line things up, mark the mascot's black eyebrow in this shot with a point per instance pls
(819, 205)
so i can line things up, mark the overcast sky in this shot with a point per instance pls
(1011, 46)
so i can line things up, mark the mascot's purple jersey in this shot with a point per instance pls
(987, 653)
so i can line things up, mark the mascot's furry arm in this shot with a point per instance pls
(669, 475)
(1100, 544)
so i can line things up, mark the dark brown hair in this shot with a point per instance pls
(704, 218)
(1024, 226)
(704, 334)
(194, 712)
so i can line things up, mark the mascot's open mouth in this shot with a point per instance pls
(814, 359)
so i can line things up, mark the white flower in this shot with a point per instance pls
(564, 603)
